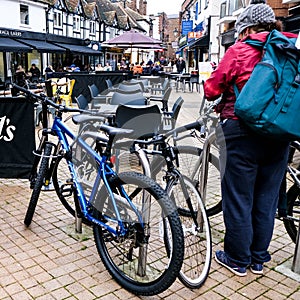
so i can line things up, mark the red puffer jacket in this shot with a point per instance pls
(235, 67)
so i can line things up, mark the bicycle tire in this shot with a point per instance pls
(188, 157)
(291, 222)
(198, 243)
(119, 254)
(38, 184)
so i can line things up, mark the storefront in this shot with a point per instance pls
(25, 48)
(199, 49)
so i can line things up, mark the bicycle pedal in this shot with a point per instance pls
(66, 189)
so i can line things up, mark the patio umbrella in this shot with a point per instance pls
(134, 39)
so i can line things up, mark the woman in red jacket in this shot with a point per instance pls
(252, 166)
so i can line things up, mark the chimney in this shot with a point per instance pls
(143, 7)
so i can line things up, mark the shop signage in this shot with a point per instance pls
(195, 34)
(10, 33)
(187, 26)
(183, 41)
(16, 126)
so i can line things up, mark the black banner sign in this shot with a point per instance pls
(17, 137)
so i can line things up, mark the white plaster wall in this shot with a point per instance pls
(10, 15)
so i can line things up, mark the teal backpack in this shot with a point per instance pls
(269, 103)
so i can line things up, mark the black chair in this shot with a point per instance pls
(127, 86)
(109, 84)
(96, 97)
(145, 120)
(161, 88)
(144, 82)
(134, 97)
(163, 98)
(183, 80)
(82, 102)
(195, 81)
(170, 118)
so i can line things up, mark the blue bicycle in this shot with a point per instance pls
(129, 211)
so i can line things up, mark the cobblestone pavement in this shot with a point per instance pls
(49, 261)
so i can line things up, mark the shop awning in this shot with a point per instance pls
(200, 43)
(10, 45)
(80, 49)
(43, 47)
(178, 51)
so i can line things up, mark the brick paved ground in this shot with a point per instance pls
(48, 261)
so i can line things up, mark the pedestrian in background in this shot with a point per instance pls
(252, 166)
(180, 65)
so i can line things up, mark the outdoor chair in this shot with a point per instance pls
(161, 88)
(67, 98)
(127, 86)
(145, 120)
(170, 118)
(163, 98)
(195, 81)
(109, 84)
(182, 81)
(144, 82)
(96, 97)
(82, 102)
(134, 97)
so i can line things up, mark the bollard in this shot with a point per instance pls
(296, 260)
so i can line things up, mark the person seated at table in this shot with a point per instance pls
(137, 69)
(48, 72)
(156, 68)
(20, 76)
(99, 67)
(35, 73)
(107, 67)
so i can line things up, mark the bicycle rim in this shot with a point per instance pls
(123, 256)
(197, 241)
(189, 166)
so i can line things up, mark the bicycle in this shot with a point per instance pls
(289, 195)
(127, 210)
(151, 147)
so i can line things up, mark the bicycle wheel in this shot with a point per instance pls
(291, 222)
(189, 166)
(39, 181)
(140, 261)
(197, 239)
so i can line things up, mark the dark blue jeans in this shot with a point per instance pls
(253, 168)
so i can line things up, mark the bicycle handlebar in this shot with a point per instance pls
(42, 97)
(195, 125)
(161, 137)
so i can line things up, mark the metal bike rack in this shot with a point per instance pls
(205, 159)
(296, 260)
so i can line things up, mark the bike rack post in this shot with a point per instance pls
(296, 260)
(204, 169)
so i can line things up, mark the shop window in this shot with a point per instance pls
(57, 19)
(24, 14)
(76, 23)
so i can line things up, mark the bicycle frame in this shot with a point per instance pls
(103, 173)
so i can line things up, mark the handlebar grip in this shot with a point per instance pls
(27, 92)
(195, 125)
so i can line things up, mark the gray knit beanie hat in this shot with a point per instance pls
(257, 12)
